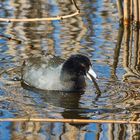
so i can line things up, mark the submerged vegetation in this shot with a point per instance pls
(129, 15)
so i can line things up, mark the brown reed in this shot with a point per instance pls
(120, 9)
(129, 11)
(67, 120)
(77, 12)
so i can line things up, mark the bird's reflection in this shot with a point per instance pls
(69, 101)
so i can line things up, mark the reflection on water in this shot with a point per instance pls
(114, 54)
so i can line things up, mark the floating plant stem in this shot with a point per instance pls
(67, 120)
(96, 85)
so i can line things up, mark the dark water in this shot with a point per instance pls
(95, 33)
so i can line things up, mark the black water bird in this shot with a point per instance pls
(53, 73)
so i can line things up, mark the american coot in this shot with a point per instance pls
(54, 73)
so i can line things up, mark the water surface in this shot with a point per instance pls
(95, 33)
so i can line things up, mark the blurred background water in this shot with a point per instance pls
(95, 33)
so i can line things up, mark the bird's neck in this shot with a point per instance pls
(75, 81)
(66, 76)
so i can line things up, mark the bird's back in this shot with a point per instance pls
(43, 72)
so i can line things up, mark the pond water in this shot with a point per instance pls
(95, 33)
